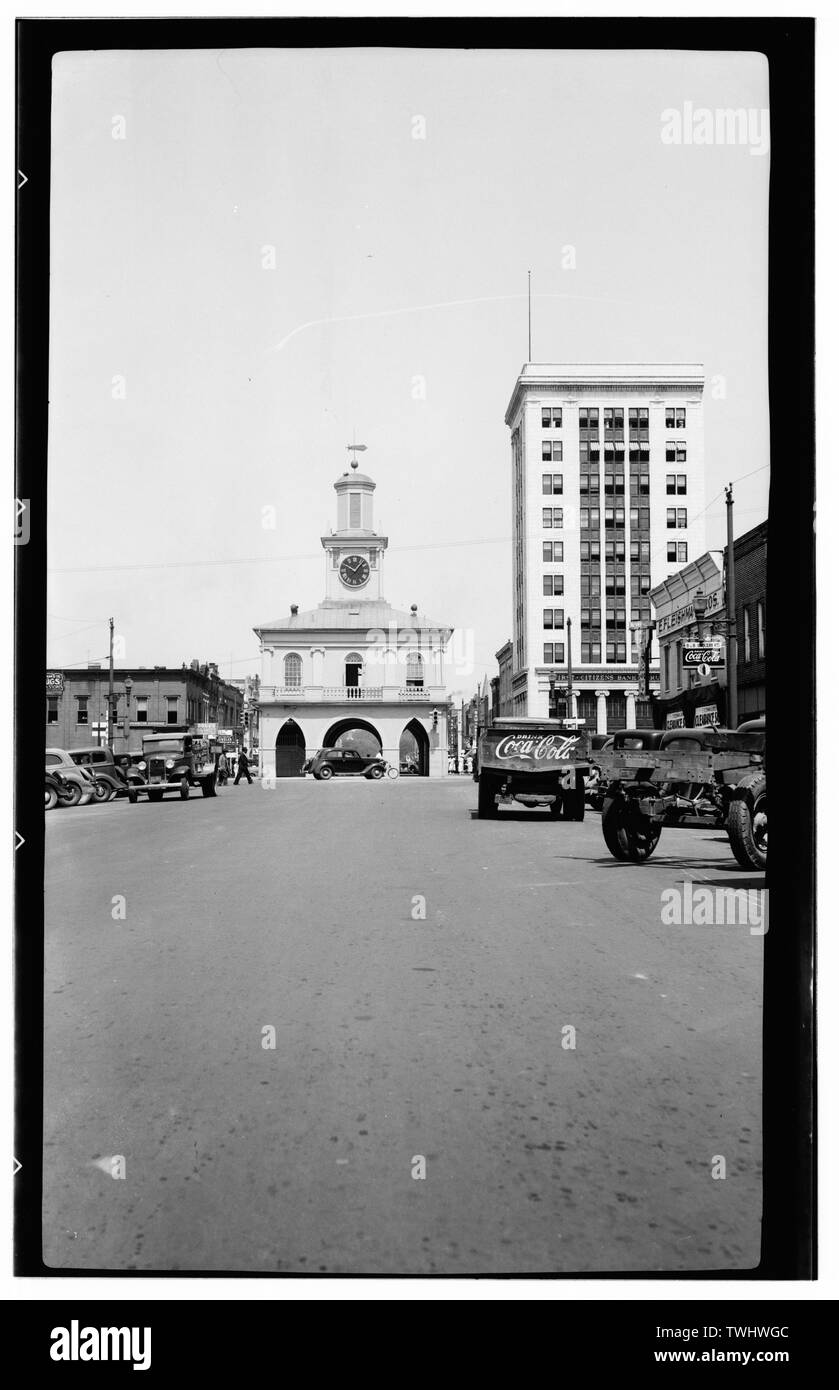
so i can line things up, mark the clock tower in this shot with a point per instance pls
(354, 551)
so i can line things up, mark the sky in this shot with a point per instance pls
(287, 250)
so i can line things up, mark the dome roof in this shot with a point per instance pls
(354, 479)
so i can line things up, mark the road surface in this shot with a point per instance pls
(349, 1028)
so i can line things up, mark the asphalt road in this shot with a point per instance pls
(403, 1044)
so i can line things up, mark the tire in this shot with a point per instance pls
(612, 827)
(556, 807)
(487, 804)
(73, 795)
(102, 791)
(747, 823)
(184, 789)
(574, 803)
(377, 773)
(132, 798)
(325, 774)
(393, 772)
(50, 798)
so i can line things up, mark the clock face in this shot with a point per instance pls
(354, 571)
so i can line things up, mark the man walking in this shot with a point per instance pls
(242, 767)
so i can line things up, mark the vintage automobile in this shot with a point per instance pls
(109, 778)
(345, 762)
(79, 779)
(174, 763)
(700, 777)
(57, 792)
(538, 762)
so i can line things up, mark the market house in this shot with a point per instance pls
(354, 671)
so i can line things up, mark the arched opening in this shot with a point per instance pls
(290, 750)
(353, 666)
(353, 733)
(414, 749)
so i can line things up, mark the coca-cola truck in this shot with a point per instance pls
(538, 762)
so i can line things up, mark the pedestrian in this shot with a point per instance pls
(241, 767)
(223, 770)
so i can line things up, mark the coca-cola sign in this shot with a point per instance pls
(709, 654)
(539, 747)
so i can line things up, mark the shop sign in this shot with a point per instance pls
(674, 720)
(55, 682)
(705, 714)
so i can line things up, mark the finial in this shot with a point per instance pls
(355, 448)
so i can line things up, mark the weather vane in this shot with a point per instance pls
(355, 449)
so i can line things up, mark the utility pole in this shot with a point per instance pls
(111, 711)
(730, 613)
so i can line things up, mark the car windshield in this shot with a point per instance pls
(169, 745)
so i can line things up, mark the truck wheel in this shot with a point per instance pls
(557, 808)
(487, 804)
(132, 798)
(184, 789)
(73, 795)
(101, 791)
(748, 832)
(574, 804)
(613, 831)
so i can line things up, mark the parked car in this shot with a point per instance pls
(109, 779)
(174, 763)
(345, 762)
(57, 792)
(79, 779)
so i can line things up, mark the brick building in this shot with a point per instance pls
(149, 699)
(750, 612)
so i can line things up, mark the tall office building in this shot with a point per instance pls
(608, 499)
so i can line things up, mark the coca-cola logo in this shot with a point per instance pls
(549, 748)
(702, 656)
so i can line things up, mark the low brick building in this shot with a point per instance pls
(149, 699)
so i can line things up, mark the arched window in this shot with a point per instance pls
(415, 676)
(293, 667)
(353, 666)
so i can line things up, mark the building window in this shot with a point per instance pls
(670, 452)
(52, 709)
(681, 451)
(171, 709)
(671, 553)
(683, 552)
(554, 653)
(747, 636)
(671, 484)
(667, 667)
(81, 709)
(681, 484)
(553, 617)
(546, 451)
(674, 417)
(681, 517)
(142, 709)
(293, 671)
(355, 509)
(615, 652)
(415, 676)
(556, 450)
(552, 584)
(551, 417)
(551, 484)
(761, 630)
(671, 518)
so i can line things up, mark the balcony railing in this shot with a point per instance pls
(314, 693)
(352, 692)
